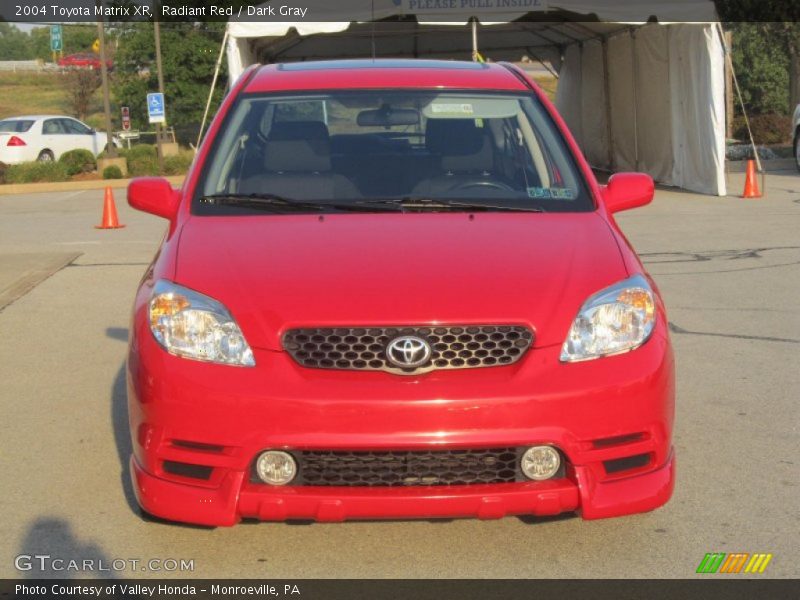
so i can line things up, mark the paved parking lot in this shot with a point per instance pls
(729, 270)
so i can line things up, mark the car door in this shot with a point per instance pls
(82, 136)
(53, 137)
(77, 135)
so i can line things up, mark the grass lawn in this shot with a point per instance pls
(35, 93)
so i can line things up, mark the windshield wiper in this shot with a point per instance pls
(421, 202)
(274, 202)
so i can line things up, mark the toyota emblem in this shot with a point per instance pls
(408, 352)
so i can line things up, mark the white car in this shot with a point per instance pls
(796, 135)
(46, 138)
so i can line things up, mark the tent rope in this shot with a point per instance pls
(213, 85)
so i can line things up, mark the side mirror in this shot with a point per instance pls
(154, 195)
(628, 190)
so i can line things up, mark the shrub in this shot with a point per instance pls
(3, 169)
(33, 172)
(142, 160)
(178, 164)
(140, 150)
(78, 161)
(767, 129)
(112, 172)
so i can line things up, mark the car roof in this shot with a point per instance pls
(38, 117)
(384, 73)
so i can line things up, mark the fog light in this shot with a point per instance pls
(275, 467)
(540, 462)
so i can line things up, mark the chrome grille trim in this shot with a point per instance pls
(453, 347)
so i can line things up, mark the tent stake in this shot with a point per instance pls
(213, 85)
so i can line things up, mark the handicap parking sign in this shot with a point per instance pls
(155, 108)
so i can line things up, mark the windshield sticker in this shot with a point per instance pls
(452, 109)
(551, 193)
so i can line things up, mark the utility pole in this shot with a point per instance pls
(157, 31)
(112, 150)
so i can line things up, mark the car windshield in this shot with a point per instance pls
(15, 126)
(424, 150)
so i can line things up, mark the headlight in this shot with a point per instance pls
(189, 324)
(614, 320)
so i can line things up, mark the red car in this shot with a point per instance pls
(83, 60)
(394, 289)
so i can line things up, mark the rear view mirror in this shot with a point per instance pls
(628, 190)
(386, 116)
(154, 195)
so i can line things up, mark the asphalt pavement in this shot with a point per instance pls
(729, 270)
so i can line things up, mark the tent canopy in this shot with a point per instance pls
(637, 95)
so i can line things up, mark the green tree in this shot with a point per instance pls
(76, 38)
(779, 24)
(14, 44)
(188, 53)
(762, 68)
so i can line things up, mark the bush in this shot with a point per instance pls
(3, 169)
(78, 161)
(767, 129)
(33, 172)
(178, 164)
(142, 160)
(112, 172)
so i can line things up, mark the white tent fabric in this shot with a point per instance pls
(636, 96)
(665, 113)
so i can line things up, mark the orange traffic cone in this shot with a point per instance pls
(110, 220)
(751, 182)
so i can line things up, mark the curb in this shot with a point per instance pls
(775, 164)
(72, 186)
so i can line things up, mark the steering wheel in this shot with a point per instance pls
(482, 183)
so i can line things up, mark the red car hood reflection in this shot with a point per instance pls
(276, 272)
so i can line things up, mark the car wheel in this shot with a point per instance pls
(45, 156)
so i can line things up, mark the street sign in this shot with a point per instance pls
(96, 47)
(126, 118)
(56, 40)
(155, 108)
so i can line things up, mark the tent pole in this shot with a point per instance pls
(635, 80)
(213, 85)
(475, 54)
(607, 94)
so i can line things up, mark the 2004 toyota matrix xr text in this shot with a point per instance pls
(395, 289)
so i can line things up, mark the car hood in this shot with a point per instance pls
(276, 272)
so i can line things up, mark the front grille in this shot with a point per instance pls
(452, 347)
(407, 468)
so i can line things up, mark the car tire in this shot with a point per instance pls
(45, 156)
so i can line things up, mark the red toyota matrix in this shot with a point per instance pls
(394, 289)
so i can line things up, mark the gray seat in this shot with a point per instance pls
(297, 164)
(465, 152)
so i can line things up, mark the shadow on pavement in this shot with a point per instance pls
(48, 548)
(119, 421)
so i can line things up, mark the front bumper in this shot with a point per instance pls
(235, 499)
(598, 413)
